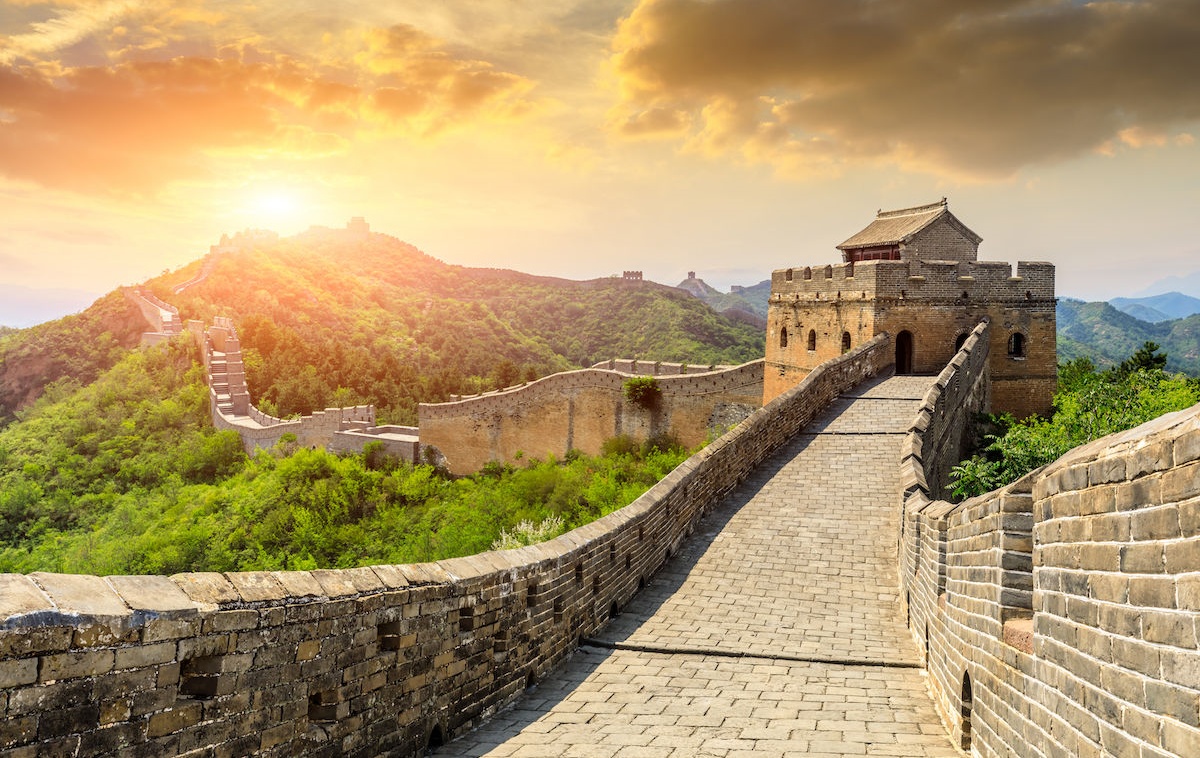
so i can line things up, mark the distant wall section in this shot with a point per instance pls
(579, 410)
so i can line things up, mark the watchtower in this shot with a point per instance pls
(915, 273)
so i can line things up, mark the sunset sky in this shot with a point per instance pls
(582, 137)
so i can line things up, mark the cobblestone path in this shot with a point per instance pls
(775, 631)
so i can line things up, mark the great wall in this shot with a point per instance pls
(796, 587)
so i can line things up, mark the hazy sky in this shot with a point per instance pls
(583, 137)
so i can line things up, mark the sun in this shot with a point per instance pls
(273, 208)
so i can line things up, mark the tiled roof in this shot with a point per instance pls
(894, 227)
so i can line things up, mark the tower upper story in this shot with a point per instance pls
(925, 232)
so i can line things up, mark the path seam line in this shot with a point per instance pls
(720, 653)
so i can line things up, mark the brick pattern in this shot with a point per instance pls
(582, 409)
(797, 563)
(937, 303)
(357, 662)
(1063, 603)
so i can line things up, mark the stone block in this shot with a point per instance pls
(257, 586)
(14, 673)
(1145, 558)
(1160, 523)
(75, 664)
(207, 588)
(19, 596)
(1182, 667)
(1181, 483)
(1107, 470)
(1183, 556)
(1186, 447)
(144, 655)
(178, 718)
(335, 583)
(299, 584)
(1152, 591)
(156, 595)
(1169, 628)
(83, 595)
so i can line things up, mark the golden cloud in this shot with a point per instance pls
(140, 114)
(977, 90)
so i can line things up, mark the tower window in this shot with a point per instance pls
(845, 342)
(783, 337)
(1016, 345)
(788, 275)
(829, 272)
(807, 272)
(812, 339)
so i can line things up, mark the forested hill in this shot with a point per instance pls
(1107, 336)
(325, 319)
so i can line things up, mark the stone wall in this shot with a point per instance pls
(937, 303)
(1059, 615)
(359, 662)
(579, 410)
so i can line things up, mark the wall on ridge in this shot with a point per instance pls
(580, 410)
(1060, 614)
(357, 662)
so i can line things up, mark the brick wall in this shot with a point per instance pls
(357, 662)
(1068, 603)
(580, 410)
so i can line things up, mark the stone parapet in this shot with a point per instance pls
(366, 661)
(1059, 614)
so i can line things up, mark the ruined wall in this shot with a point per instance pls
(579, 410)
(1060, 614)
(357, 662)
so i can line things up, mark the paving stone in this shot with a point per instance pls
(797, 563)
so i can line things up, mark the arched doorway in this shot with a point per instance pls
(904, 352)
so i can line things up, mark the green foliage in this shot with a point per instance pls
(1087, 406)
(127, 475)
(1107, 336)
(643, 391)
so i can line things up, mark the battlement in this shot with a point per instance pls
(916, 280)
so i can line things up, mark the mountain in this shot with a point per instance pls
(326, 318)
(745, 304)
(1187, 283)
(1107, 336)
(1158, 307)
(74, 349)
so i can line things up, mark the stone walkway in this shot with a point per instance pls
(775, 631)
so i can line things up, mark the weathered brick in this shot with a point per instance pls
(14, 673)
(1153, 591)
(75, 665)
(1142, 558)
(144, 655)
(177, 718)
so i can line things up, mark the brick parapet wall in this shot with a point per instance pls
(1070, 599)
(722, 380)
(364, 661)
(658, 368)
(990, 281)
(581, 410)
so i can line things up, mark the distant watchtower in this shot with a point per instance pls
(915, 274)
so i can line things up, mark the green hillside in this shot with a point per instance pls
(325, 320)
(1107, 336)
(109, 462)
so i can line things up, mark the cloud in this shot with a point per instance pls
(127, 97)
(976, 90)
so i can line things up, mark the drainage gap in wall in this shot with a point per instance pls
(614, 610)
(641, 583)
(578, 573)
(558, 609)
(967, 701)
(324, 706)
(389, 635)
(435, 738)
(201, 678)
(531, 595)
(595, 586)
(612, 554)
(466, 619)
(628, 562)
(500, 644)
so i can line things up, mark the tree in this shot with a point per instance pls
(1145, 357)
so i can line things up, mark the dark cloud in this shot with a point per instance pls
(979, 88)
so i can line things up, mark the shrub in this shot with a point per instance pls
(643, 391)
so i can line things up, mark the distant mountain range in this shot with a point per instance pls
(1158, 308)
(746, 304)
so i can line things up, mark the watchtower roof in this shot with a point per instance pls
(900, 226)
